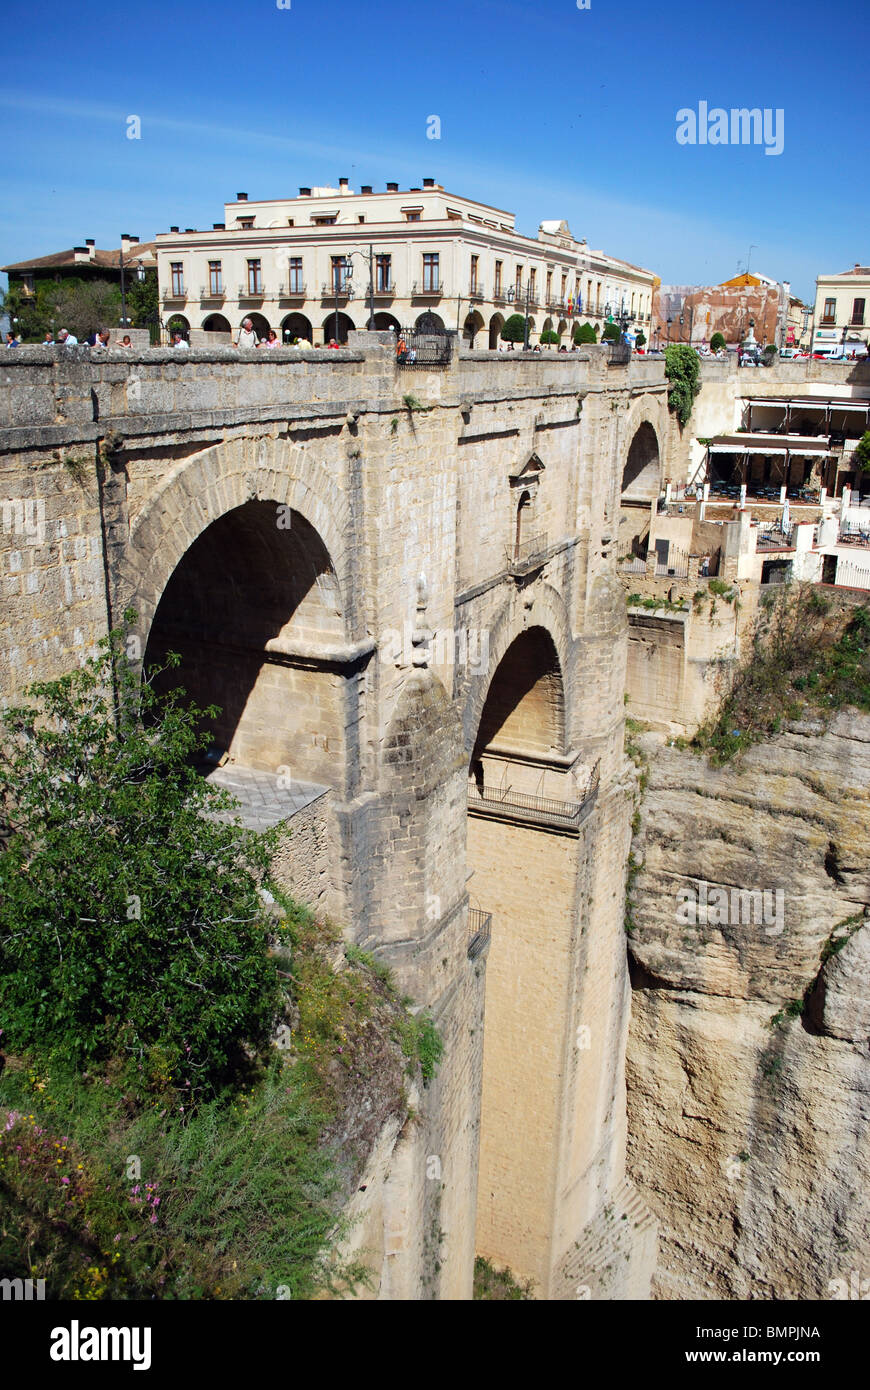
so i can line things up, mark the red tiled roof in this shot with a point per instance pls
(106, 260)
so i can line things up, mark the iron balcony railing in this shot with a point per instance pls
(539, 810)
(296, 290)
(631, 563)
(499, 296)
(420, 288)
(255, 292)
(386, 291)
(476, 290)
(526, 555)
(330, 289)
(169, 293)
(479, 931)
(206, 293)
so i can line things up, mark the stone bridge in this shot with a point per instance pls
(399, 586)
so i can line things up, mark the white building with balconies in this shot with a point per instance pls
(331, 260)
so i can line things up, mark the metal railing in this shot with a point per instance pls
(542, 810)
(331, 290)
(852, 576)
(424, 349)
(419, 288)
(479, 931)
(631, 562)
(206, 293)
(384, 291)
(297, 291)
(174, 294)
(245, 292)
(774, 538)
(676, 566)
(476, 290)
(526, 554)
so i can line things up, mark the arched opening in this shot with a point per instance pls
(523, 506)
(496, 324)
(337, 326)
(547, 326)
(429, 323)
(473, 325)
(246, 608)
(216, 323)
(296, 326)
(386, 323)
(177, 323)
(260, 323)
(642, 473)
(561, 329)
(522, 857)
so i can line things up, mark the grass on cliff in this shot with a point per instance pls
(810, 656)
(499, 1285)
(153, 1141)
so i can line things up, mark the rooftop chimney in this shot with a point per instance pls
(91, 245)
(189, 229)
(305, 193)
(219, 226)
(392, 188)
(342, 183)
(428, 183)
(241, 197)
(81, 253)
(173, 229)
(366, 188)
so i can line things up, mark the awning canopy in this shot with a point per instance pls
(809, 402)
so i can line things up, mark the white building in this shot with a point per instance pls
(841, 321)
(301, 266)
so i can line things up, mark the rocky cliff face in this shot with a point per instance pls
(748, 1076)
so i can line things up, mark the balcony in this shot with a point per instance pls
(386, 291)
(526, 555)
(826, 322)
(422, 290)
(499, 296)
(479, 931)
(856, 321)
(246, 292)
(476, 290)
(177, 295)
(296, 290)
(331, 290)
(206, 293)
(503, 803)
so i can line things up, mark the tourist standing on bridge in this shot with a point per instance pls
(247, 337)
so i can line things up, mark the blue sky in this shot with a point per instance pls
(545, 109)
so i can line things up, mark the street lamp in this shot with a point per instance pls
(670, 321)
(344, 281)
(140, 276)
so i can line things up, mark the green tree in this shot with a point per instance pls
(640, 340)
(862, 452)
(142, 299)
(130, 922)
(717, 341)
(549, 335)
(585, 333)
(683, 369)
(30, 314)
(514, 330)
(610, 333)
(85, 306)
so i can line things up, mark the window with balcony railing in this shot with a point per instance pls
(384, 274)
(340, 275)
(498, 273)
(215, 278)
(255, 277)
(857, 319)
(296, 284)
(829, 313)
(431, 271)
(177, 270)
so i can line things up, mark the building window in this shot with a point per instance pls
(533, 275)
(255, 277)
(475, 265)
(215, 278)
(588, 294)
(323, 221)
(549, 286)
(27, 284)
(519, 282)
(564, 288)
(830, 311)
(339, 274)
(246, 223)
(412, 216)
(498, 271)
(295, 267)
(361, 217)
(598, 297)
(177, 268)
(431, 271)
(858, 313)
(383, 271)
(291, 222)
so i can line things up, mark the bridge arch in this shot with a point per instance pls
(641, 475)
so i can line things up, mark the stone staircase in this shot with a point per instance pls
(615, 1255)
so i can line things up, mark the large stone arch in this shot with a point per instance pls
(201, 490)
(643, 464)
(549, 612)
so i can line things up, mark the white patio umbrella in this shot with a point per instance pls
(786, 518)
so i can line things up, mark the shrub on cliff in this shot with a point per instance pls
(717, 341)
(682, 368)
(807, 655)
(130, 922)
